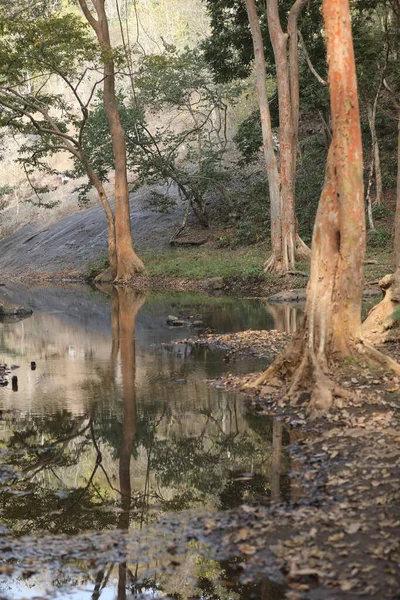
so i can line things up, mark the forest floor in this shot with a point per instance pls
(339, 537)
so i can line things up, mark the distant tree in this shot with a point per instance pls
(332, 326)
(383, 322)
(128, 263)
(186, 147)
(37, 57)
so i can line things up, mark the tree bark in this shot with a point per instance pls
(381, 324)
(286, 244)
(332, 326)
(273, 176)
(371, 111)
(128, 263)
(111, 241)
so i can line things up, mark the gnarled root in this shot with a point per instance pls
(303, 252)
(298, 372)
(381, 326)
(274, 264)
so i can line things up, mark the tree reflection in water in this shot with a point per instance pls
(140, 451)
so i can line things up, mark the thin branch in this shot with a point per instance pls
(310, 65)
(93, 22)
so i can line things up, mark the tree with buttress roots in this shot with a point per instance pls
(332, 326)
(383, 322)
(286, 243)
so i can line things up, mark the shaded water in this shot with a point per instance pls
(117, 427)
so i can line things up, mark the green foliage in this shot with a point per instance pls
(38, 55)
(172, 84)
(97, 267)
(380, 238)
(4, 191)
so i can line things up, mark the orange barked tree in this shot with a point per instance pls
(332, 325)
(128, 263)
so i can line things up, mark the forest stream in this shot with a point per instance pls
(107, 425)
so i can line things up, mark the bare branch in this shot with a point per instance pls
(310, 65)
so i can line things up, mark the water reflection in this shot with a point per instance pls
(287, 316)
(114, 429)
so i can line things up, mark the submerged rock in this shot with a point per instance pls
(172, 320)
(14, 310)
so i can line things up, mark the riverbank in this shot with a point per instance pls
(206, 269)
(339, 537)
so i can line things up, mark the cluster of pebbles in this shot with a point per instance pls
(250, 342)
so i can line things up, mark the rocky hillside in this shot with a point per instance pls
(65, 247)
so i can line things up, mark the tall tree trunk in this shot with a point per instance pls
(128, 263)
(371, 111)
(286, 244)
(273, 176)
(332, 326)
(279, 41)
(381, 324)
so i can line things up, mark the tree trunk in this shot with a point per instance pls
(381, 324)
(368, 200)
(285, 242)
(111, 242)
(332, 325)
(371, 111)
(128, 263)
(279, 41)
(274, 183)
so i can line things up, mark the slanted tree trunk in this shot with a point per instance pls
(111, 241)
(332, 325)
(371, 111)
(381, 324)
(128, 263)
(286, 244)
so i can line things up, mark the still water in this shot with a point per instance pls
(114, 427)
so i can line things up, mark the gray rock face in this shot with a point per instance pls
(63, 249)
(288, 296)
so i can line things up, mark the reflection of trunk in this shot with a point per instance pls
(296, 466)
(380, 325)
(332, 327)
(286, 317)
(128, 306)
(276, 463)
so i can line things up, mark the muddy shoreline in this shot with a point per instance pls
(339, 536)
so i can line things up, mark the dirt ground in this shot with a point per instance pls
(340, 535)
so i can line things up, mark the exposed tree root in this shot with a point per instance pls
(274, 264)
(300, 373)
(381, 326)
(284, 262)
(303, 252)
